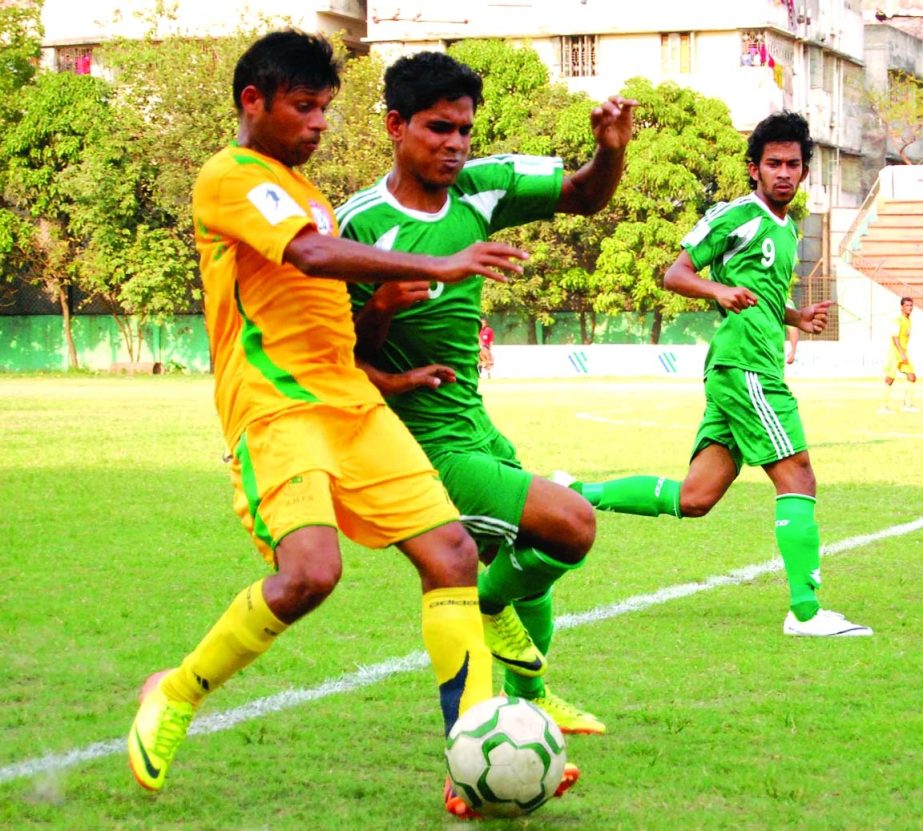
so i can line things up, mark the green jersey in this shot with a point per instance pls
(490, 194)
(745, 244)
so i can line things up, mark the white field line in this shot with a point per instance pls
(366, 676)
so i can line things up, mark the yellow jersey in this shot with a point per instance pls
(901, 332)
(278, 337)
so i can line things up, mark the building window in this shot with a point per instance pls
(816, 67)
(676, 53)
(76, 59)
(578, 56)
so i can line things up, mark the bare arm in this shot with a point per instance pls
(324, 256)
(682, 278)
(811, 319)
(388, 383)
(591, 187)
(373, 320)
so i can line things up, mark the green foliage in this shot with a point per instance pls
(355, 151)
(175, 97)
(685, 156)
(900, 110)
(20, 48)
(512, 77)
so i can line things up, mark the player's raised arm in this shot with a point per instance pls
(682, 278)
(591, 187)
(321, 255)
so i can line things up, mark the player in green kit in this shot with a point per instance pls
(420, 343)
(750, 415)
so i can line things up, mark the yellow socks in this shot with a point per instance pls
(454, 637)
(243, 632)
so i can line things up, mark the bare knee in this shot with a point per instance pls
(445, 557)
(694, 502)
(303, 582)
(581, 532)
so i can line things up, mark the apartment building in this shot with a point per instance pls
(72, 32)
(756, 55)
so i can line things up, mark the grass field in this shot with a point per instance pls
(120, 549)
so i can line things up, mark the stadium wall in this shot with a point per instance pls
(814, 359)
(36, 344)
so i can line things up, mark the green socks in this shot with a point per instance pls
(537, 615)
(642, 495)
(799, 543)
(518, 573)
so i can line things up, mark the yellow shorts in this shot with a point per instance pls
(894, 364)
(356, 469)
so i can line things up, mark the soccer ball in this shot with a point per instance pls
(505, 756)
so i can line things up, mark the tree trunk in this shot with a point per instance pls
(66, 323)
(657, 326)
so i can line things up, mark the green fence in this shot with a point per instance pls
(36, 343)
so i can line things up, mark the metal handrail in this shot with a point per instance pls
(864, 210)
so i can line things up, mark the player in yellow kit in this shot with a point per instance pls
(898, 360)
(308, 431)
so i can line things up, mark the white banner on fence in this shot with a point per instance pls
(812, 360)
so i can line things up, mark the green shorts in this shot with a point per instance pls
(489, 488)
(754, 416)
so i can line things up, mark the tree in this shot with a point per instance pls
(900, 110)
(524, 113)
(20, 49)
(132, 256)
(355, 151)
(684, 157)
(60, 114)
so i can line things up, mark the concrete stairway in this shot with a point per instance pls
(891, 249)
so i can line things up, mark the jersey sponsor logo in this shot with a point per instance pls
(274, 203)
(514, 562)
(435, 289)
(322, 218)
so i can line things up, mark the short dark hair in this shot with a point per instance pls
(780, 126)
(416, 82)
(906, 300)
(286, 59)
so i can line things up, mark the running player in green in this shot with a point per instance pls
(420, 342)
(750, 415)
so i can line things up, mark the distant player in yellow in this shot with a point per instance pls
(315, 448)
(899, 360)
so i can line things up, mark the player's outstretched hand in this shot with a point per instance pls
(397, 383)
(432, 376)
(396, 295)
(735, 298)
(492, 260)
(611, 122)
(814, 317)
